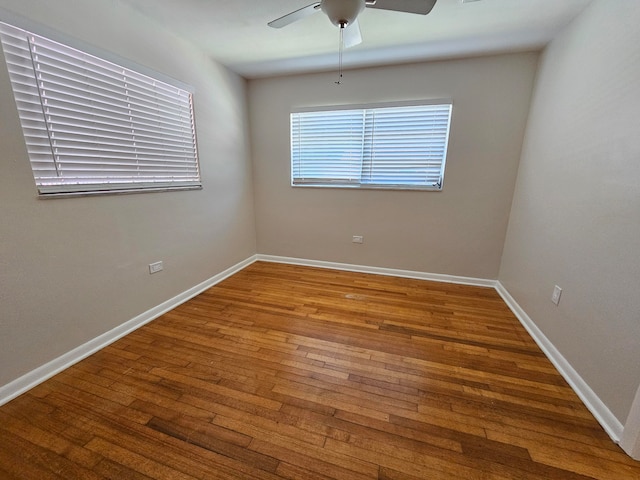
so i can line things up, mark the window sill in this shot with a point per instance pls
(370, 187)
(51, 196)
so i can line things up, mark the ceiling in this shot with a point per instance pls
(235, 32)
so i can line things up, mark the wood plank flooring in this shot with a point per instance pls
(288, 372)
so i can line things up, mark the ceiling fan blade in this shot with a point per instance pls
(295, 16)
(421, 7)
(352, 34)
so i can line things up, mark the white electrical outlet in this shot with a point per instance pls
(155, 267)
(555, 296)
(357, 239)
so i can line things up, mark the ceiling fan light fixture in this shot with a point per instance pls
(342, 12)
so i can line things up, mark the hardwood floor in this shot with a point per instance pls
(288, 372)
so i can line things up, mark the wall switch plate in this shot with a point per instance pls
(357, 239)
(155, 267)
(555, 296)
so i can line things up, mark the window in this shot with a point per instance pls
(397, 147)
(92, 126)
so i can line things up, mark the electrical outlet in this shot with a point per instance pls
(155, 267)
(555, 296)
(357, 239)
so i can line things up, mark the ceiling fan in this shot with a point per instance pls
(344, 14)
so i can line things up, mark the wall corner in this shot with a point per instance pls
(630, 441)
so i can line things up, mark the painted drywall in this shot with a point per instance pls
(72, 269)
(458, 231)
(575, 220)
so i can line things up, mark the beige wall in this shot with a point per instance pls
(459, 231)
(575, 220)
(71, 269)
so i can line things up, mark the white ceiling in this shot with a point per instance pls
(235, 32)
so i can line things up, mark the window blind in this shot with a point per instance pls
(327, 146)
(93, 126)
(385, 147)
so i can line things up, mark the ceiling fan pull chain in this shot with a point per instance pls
(342, 26)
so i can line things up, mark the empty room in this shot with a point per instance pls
(348, 239)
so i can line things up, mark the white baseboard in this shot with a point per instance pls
(609, 422)
(391, 272)
(17, 387)
(598, 409)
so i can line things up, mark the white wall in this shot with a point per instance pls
(459, 231)
(72, 269)
(575, 219)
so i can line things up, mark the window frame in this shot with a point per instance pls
(188, 176)
(366, 163)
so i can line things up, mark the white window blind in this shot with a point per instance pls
(385, 147)
(92, 126)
